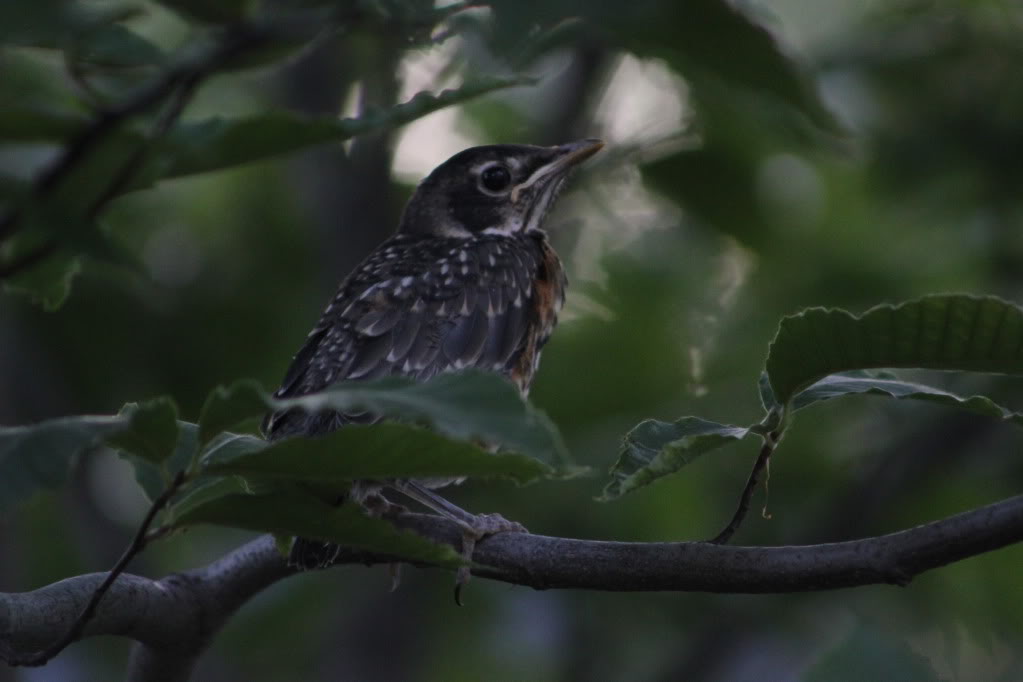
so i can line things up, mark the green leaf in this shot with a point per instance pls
(203, 491)
(948, 332)
(219, 12)
(654, 449)
(151, 430)
(21, 122)
(227, 406)
(767, 398)
(464, 405)
(38, 456)
(114, 45)
(216, 143)
(354, 452)
(47, 283)
(305, 516)
(715, 38)
(851, 383)
(868, 654)
(154, 478)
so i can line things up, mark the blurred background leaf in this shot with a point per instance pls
(727, 197)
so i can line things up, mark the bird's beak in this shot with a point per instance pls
(574, 153)
(568, 156)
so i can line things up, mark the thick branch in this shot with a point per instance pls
(175, 617)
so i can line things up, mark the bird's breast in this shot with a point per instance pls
(548, 287)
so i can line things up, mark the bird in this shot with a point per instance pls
(468, 280)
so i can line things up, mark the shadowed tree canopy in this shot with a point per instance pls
(800, 248)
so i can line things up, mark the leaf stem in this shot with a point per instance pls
(763, 459)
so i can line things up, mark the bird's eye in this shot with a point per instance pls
(495, 179)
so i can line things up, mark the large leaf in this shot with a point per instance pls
(228, 406)
(38, 457)
(220, 12)
(465, 405)
(48, 283)
(869, 654)
(115, 45)
(199, 147)
(950, 332)
(654, 449)
(380, 451)
(851, 383)
(712, 39)
(306, 516)
(26, 122)
(151, 431)
(155, 477)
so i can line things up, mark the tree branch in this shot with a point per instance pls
(175, 617)
(138, 543)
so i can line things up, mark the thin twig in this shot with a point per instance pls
(138, 543)
(120, 180)
(27, 260)
(167, 119)
(747, 493)
(150, 96)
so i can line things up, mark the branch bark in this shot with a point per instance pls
(174, 618)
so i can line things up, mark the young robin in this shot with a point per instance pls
(468, 280)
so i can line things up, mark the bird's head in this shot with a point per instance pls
(501, 188)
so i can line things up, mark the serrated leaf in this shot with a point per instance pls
(38, 456)
(947, 332)
(464, 405)
(306, 516)
(838, 385)
(48, 283)
(154, 478)
(227, 406)
(380, 451)
(767, 399)
(150, 431)
(654, 449)
(202, 146)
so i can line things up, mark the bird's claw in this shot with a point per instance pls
(481, 526)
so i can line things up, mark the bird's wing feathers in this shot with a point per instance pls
(417, 309)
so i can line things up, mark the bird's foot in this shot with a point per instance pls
(379, 507)
(474, 529)
(309, 555)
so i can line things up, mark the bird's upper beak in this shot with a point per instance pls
(568, 156)
(574, 153)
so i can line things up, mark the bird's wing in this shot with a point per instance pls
(417, 309)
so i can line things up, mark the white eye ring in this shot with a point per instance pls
(494, 179)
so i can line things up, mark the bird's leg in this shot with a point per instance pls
(379, 507)
(474, 527)
(308, 554)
